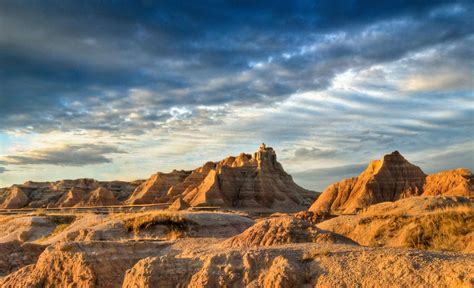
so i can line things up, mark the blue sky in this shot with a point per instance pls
(122, 89)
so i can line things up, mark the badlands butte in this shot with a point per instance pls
(242, 222)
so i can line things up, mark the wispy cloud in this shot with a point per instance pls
(327, 83)
(64, 155)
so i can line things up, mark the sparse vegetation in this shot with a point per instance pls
(59, 228)
(61, 221)
(442, 231)
(176, 226)
(40, 212)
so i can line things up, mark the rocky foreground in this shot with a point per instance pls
(235, 249)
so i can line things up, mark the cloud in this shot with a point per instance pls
(319, 179)
(3, 170)
(64, 155)
(146, 62)
(441, 81)
(334, 82)
(314, 153)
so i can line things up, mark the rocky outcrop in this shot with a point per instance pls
(94, 264)
(72, 198)
(304, 265)
(249, 182)
(78, 197)
(283, 230)
(64, 193)
(457, 182)
(390, 179)
(15, 199)
(178, 204)
(156, 187)
(99, 197)
(431, 223)
(25, 228)
(14, 255)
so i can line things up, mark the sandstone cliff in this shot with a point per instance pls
(283, 230)
(15, 198)
(64, 193)
(457, 182)
(250, 182)
(155, 188)
(390, 179)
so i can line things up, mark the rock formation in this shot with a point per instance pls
(72, 198)
(457, 182)
(250, 182)
(64, 193)
(14, 255)
(99, 197)
(178, 204)
(15, 199)
(390, 179)
(283, 230)
(423, 222)
(155, 188)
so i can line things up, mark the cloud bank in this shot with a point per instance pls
(327, 83)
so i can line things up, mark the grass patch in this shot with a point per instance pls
(59, 228)
(441, 231)
(40, 212)
(176, 226)
(61, 221)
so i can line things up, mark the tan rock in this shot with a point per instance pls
(54, 194)
(457, 182)
(431, 223)
(94, 264)
(302, 265)
(155, 188)
(14, 255)
(246, 182)
(73, 197)
(99, 197)
(15, 199)
(388, 179)
(283, 230)
(179, 204)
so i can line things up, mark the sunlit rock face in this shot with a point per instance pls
(66, 193)
(457, 182)
(389, 179)
(15, 198)
(156, 187)
(246, 181)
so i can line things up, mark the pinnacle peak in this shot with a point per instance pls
(395, 155)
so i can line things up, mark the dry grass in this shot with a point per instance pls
(40, 212)
(62, 223)
(176, 226)
(59, 228)
(441, 229)
(444, 230)
(61, 219)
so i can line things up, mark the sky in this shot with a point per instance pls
(123, 89)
